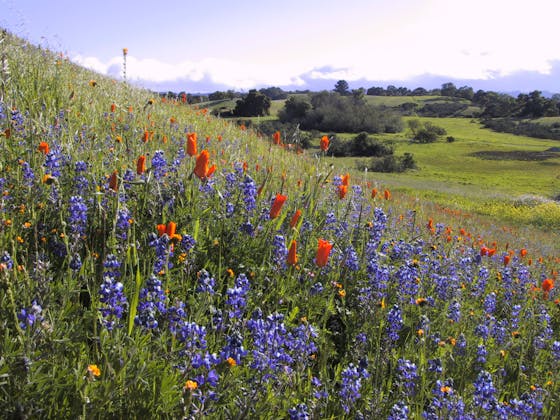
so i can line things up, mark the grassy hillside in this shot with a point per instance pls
(156, 262)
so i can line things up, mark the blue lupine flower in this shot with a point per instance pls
(249, 189)
(234, 348)
(187, 242)
(481, 354)
(28, 316)
(490, 303)
(299, 412)
(76, 262)
(111, 266)
(434, 365)
(236, 296)
(316, 289)
(53, 162)
(28, 175)
(485, 392)
(7, 261)
(176, 316)
(192, 335)
(123, 223)
(280, 252)
(206, 283)
(394, 322)
(454, 311)
(556, 350)
(350, 387)
(351, 259)
(159, 164)
(77, 219)
(114, 302)
(407, 376)
(152, 304)
(399, 411)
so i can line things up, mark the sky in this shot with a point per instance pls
(204, 46)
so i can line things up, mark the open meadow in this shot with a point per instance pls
(158, 262)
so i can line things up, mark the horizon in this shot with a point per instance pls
(185, 46)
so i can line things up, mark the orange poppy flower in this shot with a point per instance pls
(324, 143)
(295, 218)
(323, 251)
(141, 165)
(201, 169)
(44, 147)
(547, 285)
(161, 229)
(113, 107)
(277, 205)
(346, 179)
(292, 254)
(342, 190)
(522, 252)
(113, 181)
(191, 144)
(146, 136)
(276, 137)
(506, 259)
(374, 193)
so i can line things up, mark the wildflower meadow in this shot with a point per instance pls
(157, 262)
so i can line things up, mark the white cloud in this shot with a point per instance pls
(222, 72)
(475, 39)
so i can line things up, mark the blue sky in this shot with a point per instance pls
(203, 46)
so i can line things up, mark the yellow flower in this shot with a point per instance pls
(191, 385)
(93, 370)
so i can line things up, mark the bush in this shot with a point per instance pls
(391, 163)
(362, 145)
(328, 111)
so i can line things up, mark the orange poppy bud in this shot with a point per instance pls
(277, 205)
(295, 218)
(292, 254)
(191, 144)
(374, 193)
(113, 107)
(342, 190)
(323, 251)
(506, 259)
(44, 147)
(141, 165)
(387, 194)
(324, 143)
(113, 181)
(146, 136)
(276, 137)
(170, 229)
